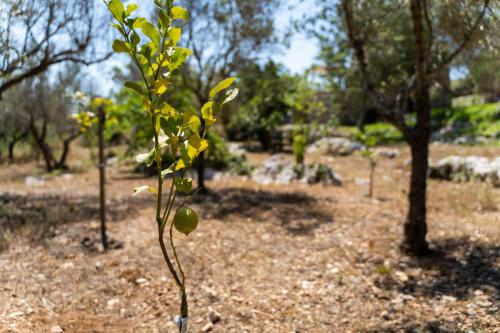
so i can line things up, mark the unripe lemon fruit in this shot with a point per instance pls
(185, 220)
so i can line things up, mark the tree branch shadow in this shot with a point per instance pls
(298, 213)
(458, 267)
(39, 214)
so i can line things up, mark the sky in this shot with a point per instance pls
(303, 50)
(298, 57)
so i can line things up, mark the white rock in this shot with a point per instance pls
(208, 327)
(140, 281)
(31, 181)
(386, 152)
(213, 315)
(279, 169)
(335, 146)
(68, 265)
(112, 303)
(467, 168)
(361, 181)
(402, 276)
(56, 329)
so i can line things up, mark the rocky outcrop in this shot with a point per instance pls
(280, 170)
(386, 152)
(458, 168)
(335, 146)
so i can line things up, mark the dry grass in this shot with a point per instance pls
(268, 258)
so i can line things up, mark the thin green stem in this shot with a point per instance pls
(175, 254)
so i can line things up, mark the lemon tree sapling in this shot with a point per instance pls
(154, 48)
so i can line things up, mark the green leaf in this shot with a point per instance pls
(167, 110)
(184, 185)
(135, 39)
(179, 13)
(166, 172)
(198, 143)
(138, 21)
(146, 51)
(230, 95)
(135, 86)
(140, 189)
(151, 32)
(165, 21)
(175, 35)
(193, 148)
(131, 8)
(179, 58)
(160, 86)
(116, 9)
(147, 158)
(159, 3)
(120, 46)
(191, 121)
(207, 112)
(119, 28)
(179, 165)
(221, 86)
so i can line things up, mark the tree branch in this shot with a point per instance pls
(467, 37)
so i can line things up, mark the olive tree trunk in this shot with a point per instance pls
(415, 227)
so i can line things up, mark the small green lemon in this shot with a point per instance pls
(185, 220)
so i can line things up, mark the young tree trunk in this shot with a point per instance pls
(15, 140)
(372, 176)
(102, 179)
(42, 145)
(415, 227)
(12, 144)
(201, 172)
(200, 163)
(61, 164)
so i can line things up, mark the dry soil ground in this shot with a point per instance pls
(276, 258)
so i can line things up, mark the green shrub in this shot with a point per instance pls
(475, 120)
(384, 133)
(219, 157)
(299, 147)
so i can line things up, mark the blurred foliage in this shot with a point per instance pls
(262, 105)
(134, 126)
(389, 46)
(474, 120)
(219, 156)
(270, 98)
(383, 133)
(299, 147)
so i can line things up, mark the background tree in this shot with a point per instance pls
(224, 35)
(397, 62)
(47, 106)
(13, 124)
(37, 34)
(262, 107)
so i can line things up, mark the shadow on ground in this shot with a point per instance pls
(40, 214)
(457, 267)
(435, 326)
(298, 213)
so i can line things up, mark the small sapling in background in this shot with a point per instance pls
(299, 147)
(368, 143)
(92, 118)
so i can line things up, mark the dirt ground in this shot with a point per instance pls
(277, 258)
